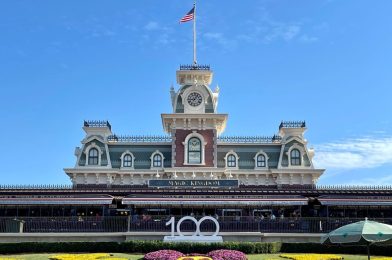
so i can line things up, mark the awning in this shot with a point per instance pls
(218, 200)
(57, 200)
(356, 201)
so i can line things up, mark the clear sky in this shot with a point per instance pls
(324, 61)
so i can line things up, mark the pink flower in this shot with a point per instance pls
(225, 254)
(163, 255)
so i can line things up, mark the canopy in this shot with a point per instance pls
(57, 200)
(215, 200)
(355, 201)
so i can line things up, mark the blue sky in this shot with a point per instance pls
(324, 61)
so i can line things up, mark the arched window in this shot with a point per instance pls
(127, 161)
(93, 156)
(157, 160)
(295, 157)
(194, 150)
(260, 160)
(231, 160)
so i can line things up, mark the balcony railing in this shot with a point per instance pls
(158, 224)
(139, 139)
(250, 139)
(97, 123)
(49, 187)
(292, 124)
(195, 67)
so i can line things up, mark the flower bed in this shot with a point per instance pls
(222, 254)
(97, 256)
(163, 255)
(225, 254)
(195, 258)
(311, 257)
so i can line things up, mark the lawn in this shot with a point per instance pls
(137, 257)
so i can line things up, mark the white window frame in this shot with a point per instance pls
(231, 152)
(152, 160)
(203, 144)
(301, 155)
(261, 152)
(127, 152)
(87, 152)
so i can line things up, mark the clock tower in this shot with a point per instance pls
(195, 123)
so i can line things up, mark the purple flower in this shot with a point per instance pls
(224, 254)
(163, 255)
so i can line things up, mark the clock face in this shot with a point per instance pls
(194, 99)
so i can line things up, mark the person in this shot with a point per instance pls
(273, 216)
(135, 217)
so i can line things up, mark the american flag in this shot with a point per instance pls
(189, 16)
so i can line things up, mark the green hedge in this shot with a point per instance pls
(148, 246)
(137, 247)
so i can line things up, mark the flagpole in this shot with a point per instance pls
(194, 34)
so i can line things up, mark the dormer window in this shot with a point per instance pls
(295, 157)
(260, 160)
(127, 161)
(231, 160)
(157, 161)
(194, 151)
(93, 156)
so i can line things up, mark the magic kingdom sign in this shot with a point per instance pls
(193, 183)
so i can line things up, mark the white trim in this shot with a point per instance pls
(152, 160)
(301, 155)
(296, 138)
(203, 144)
(261, 152)
(127, 152)
(236, 160)
(87, 152)
(93, 137)
(108, 156)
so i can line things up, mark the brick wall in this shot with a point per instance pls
(208, 136)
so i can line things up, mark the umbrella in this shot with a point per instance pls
(362, 232)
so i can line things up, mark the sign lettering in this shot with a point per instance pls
(193, 183)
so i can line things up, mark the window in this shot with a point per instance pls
(157, 160)
(295, 157)
(260, 161)
(93, 156)
(194, 150)
(127, 161)
(231, 160)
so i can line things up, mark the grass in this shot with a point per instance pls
(138, 257)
